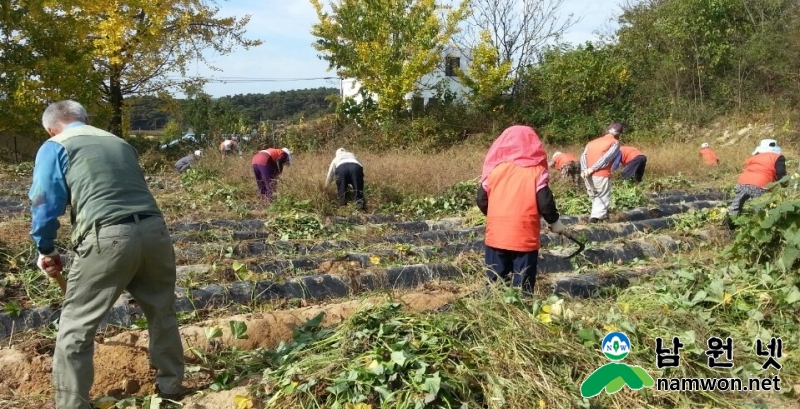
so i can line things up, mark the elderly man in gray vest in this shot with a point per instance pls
(121, 242)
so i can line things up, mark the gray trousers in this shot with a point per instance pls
(743, 193)
(139, 257)
(599, 190)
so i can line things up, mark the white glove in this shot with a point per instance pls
(558, 227)
(586, 173)
(51, 263)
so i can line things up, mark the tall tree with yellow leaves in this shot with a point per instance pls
(41, 60)
(387, 45)
(136, 44)
(486, 75)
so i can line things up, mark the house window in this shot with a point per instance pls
(450, 66)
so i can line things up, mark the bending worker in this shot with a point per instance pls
(765, 166)
(514, 195)
(633, 161)
(268, 164)
(121, 242)
(228, 145)
(596, 162)
(348, 171)
(708, 155)
(183, 164)
(567, 165)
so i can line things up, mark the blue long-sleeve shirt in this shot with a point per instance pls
(617, 162)
(49, 193)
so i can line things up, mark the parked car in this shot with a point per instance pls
(188, 138)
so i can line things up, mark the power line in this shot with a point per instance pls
(243, 80)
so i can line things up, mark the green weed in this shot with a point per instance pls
(454, 200)
(671, 182)
(21, 169)
(380, 356)
(624, 196)
(768, 231)
(481, 352)
(696, 219)
(198, 174)
(302, 226)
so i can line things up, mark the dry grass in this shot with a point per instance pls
(394, 175)
(390, 176)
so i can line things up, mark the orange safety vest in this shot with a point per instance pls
(628, 153)
(261, 158)
(709, 156)
(596, 149)
(275, 153)
(759, 170)
(563, 159)
(512, 222)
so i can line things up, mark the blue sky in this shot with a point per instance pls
(284, 28)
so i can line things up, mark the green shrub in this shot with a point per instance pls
(770, 233)
(454, 200)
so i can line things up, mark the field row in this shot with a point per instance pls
(440, 251)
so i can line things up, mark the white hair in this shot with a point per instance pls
(62, 113)
(289, 154)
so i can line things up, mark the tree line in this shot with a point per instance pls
(691, 61)
(152, 112)
(100, 53)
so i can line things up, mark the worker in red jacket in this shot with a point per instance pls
(708, 155)
(514, 195)
(267, 165)
(633, 161)
(567, 165)
(765, 166)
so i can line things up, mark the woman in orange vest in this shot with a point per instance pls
(596, 162)
(708, 155)
(268, 164)
(567, 165)
(765, 166)
(634, 162)
(514, 194)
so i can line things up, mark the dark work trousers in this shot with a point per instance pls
(635, 169)
(520, 265)
(351, 174)
(265, 180)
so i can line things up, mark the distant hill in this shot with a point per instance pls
(152, 113)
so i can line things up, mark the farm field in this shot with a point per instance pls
(402, 290)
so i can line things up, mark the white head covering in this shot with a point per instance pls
(768, 145)
(556, 154)
(288, 152)
(340, 151)
(704, 145)
(198, 153)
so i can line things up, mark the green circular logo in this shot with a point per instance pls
(616, 346)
